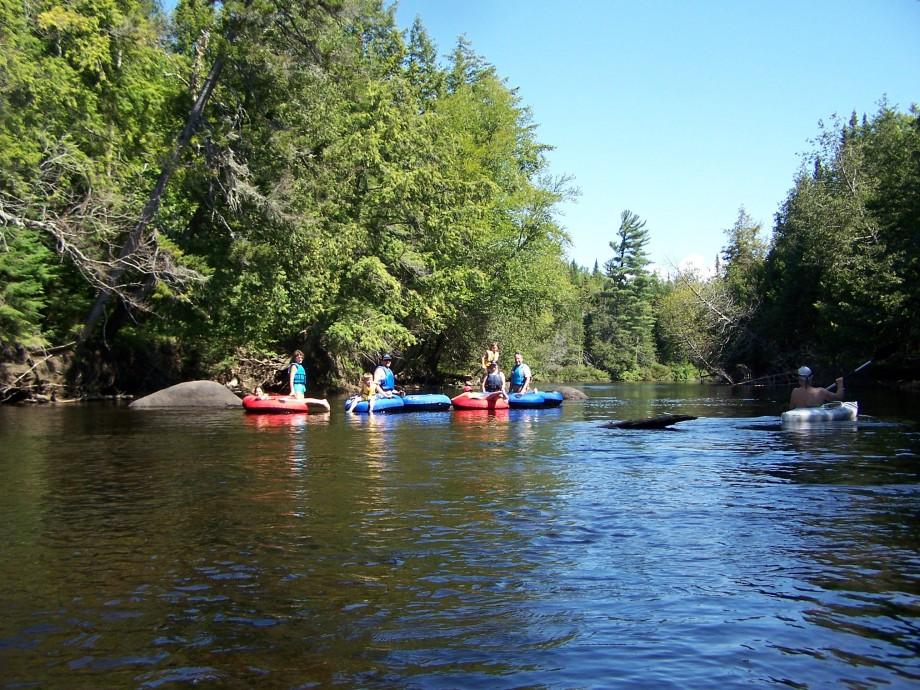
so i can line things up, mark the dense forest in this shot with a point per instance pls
(183, 194)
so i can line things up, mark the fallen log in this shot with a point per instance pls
(662, 421)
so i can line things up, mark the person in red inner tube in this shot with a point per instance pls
(494, 380)
(298, 381)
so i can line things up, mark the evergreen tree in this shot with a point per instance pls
(619, 335)
(421, 65)
(840, 275)
(742, 259)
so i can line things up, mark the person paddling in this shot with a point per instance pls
(808, 395)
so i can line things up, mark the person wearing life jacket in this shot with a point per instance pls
(491, 355)
(385, 378)
(519, 380)
(808, 395)
(297, 377)
(367, 390)
(494, 380)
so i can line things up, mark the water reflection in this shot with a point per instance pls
(284, 421)
(522, 548)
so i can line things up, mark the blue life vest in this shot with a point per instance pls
(493, 383)
(389, 379)
(517, 375)
(300, 374)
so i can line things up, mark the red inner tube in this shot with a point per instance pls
(273, 404)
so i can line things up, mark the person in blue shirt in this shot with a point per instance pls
(298, 381)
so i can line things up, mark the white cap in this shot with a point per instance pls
(804, 372)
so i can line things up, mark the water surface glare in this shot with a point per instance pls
(521, 549)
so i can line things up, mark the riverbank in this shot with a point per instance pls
(56, 374)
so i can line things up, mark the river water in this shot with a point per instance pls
(522, 549)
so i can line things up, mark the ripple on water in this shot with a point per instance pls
(514, 550)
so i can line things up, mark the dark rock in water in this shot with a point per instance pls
(569, 393)
(660, 422)
(190, 394)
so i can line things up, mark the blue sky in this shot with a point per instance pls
(683, 111)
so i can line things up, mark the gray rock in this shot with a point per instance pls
(190, 394)
(569, 393)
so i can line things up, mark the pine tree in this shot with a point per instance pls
(620, 335)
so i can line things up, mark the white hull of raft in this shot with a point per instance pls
(828, 412)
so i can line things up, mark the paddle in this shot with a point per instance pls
(881, 353)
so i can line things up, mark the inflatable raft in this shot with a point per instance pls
(828, 412)
(274, 404)
(430, 402)
(535, 399)
(381, 404)
(552, 398)
(479, 401)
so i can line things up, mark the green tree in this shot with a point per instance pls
(838, 275)
(619, 330)
(742, 259)
(422, 65)
(84, 98)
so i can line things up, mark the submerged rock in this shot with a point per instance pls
(662, 421)
(190, 394)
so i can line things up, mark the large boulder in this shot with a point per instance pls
(190, 394)
(570, 393)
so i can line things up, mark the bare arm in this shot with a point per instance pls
(837, 394)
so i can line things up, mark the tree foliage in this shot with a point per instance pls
(338, 191)
(841, 272)
(620, 327)
(259, 176)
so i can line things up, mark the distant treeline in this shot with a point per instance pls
(244, 178)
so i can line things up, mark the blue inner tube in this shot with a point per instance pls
(380, 405)
(526, 400)
(535, 399)
(425, 402)
(552, 398)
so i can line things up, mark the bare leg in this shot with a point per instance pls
(317, 401)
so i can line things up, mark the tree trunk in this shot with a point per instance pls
(153, 202)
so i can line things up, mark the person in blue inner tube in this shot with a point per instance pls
(494, 380)
(520, 375)
(368, 390)
(298, 381)
(385, 378)
(809, 395)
